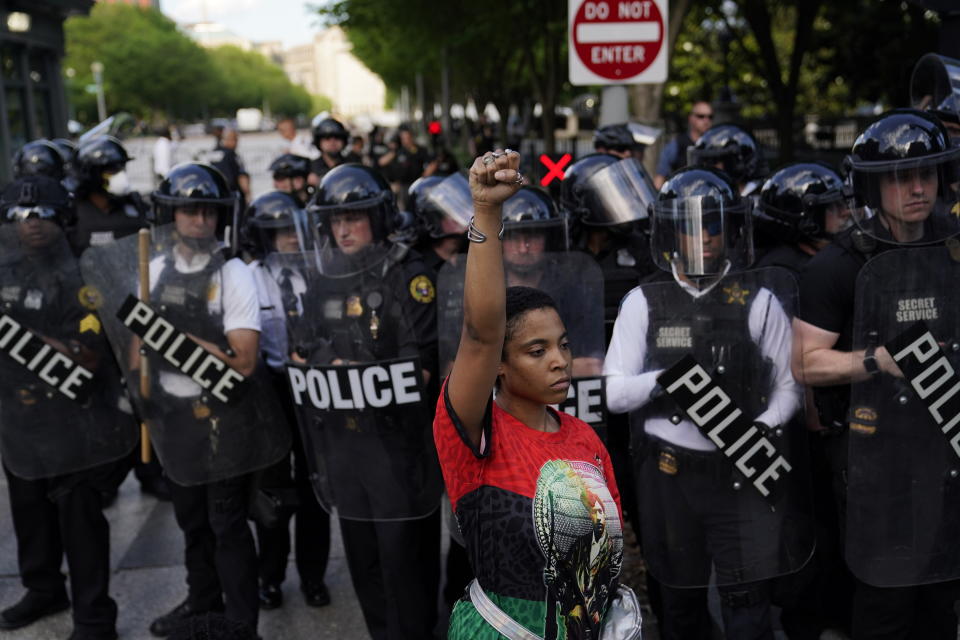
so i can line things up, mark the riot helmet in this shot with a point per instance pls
(532, 227)
(935, 88)
(347, 194)
(613, 137)
(606, 192)
(100, 164)
(699, 224)
(433, 220)
(803, 201)
(195, 190)
(290, 175)
(328, 128)
(66, 147)
(275, 222)
(289, 165)
(731, 149)
(40, 207)
(39, 158)
(904, 173)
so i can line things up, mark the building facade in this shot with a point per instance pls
(32, 98)
(327, 67)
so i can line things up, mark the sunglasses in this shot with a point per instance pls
(22, 213)
(712, 228)
(703, 116)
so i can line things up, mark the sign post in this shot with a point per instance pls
(618, 41)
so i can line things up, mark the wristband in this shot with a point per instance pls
(870, 361)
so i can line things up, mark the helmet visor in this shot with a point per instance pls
(911, 201)
(700, 235)
(453, 200)
(617, 194)
(286, 233)
(935, 86)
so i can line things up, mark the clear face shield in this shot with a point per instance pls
(618, 194)
(452, 197)
(286, 234)
(345, 239)
(910, 201)
(700, 236)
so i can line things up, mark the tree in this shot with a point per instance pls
(153, 70)
(149, 66)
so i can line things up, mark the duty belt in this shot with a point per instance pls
(672, 459)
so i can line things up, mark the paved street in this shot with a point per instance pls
(148, 579)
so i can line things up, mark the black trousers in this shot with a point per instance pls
(694, 520)
(61, 515)
(312, 525)
(891, 613)
(311, 528)
(220, 554)
(395, 568)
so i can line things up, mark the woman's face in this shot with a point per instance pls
(537, 358)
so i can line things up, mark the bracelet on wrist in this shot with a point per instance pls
(475, 235)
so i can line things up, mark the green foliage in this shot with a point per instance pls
(860, 53)
(153, 70)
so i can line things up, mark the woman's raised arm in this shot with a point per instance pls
(493, 178)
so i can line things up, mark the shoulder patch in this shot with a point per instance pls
(90, 322)
(422, 290)
(90, 297)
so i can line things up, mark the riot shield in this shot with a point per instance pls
(355, 376)
(575, 283)
(62, 406)
(206, 420)
(903, 495)
(718, 444)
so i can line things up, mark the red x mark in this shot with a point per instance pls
(555, 169)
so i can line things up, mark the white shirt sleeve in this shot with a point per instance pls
(241, 306)
(162, 154)
(628, 387)
(770, 327)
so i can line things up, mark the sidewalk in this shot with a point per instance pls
(148, 579)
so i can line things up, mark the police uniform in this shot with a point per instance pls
(394, 565)
(57, 484)
(221, 560)
(281, 291)
(95, 227)
(747, 320)
(827, 288)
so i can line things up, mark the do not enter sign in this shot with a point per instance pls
(618, 41)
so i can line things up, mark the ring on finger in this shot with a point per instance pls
(488, 160)
(519, 179)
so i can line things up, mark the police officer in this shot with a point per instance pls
(212, 416)
(734, 151)
(276, 234)
(225, 158)
(376, 303)
(803, 206)
(329, 137)
(290, 175)
(674, 154)
(698, 514)
(39, 157)
(64, 445)
(903, 171)
(107, 208)
(442, 234)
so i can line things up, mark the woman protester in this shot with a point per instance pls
(533, 489)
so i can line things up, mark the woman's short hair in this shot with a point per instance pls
(519, 301)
